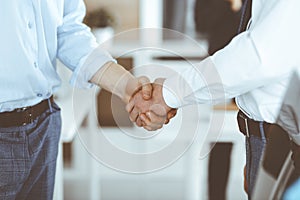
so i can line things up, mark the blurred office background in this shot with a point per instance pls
(197, 28)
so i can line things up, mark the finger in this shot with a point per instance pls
(159, 81)
(148, 125)
(129, 106)
(145, 119)
(167, 121)
(156, 119)
(153, 127)
(139, 122)
(134, 115)
(149, 128)
(146, 87)
(171, 113)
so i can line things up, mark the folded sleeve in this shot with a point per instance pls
(77, 47)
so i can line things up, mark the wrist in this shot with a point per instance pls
(115, 79)
(131, 87)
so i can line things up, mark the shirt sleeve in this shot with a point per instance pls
(76, 44)
(254, 58)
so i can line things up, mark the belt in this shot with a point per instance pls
(249, 126)
(25, 115)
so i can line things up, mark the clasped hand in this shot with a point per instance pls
(150, 111)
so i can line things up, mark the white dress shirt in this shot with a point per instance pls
(33, 35)
(255, 66)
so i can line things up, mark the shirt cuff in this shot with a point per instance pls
(91, 64)
(170, 98)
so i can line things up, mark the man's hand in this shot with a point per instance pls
(151, 113)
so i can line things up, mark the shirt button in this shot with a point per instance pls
(39, 95)
(35, 64)
(29, 25)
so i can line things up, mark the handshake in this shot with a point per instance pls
(145, 103)
(146, 106)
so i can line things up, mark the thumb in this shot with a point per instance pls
(146, 87)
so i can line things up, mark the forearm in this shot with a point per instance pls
(231, 71)
(117, 80)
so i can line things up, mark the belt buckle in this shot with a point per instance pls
(246, 124)
(247, 129)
